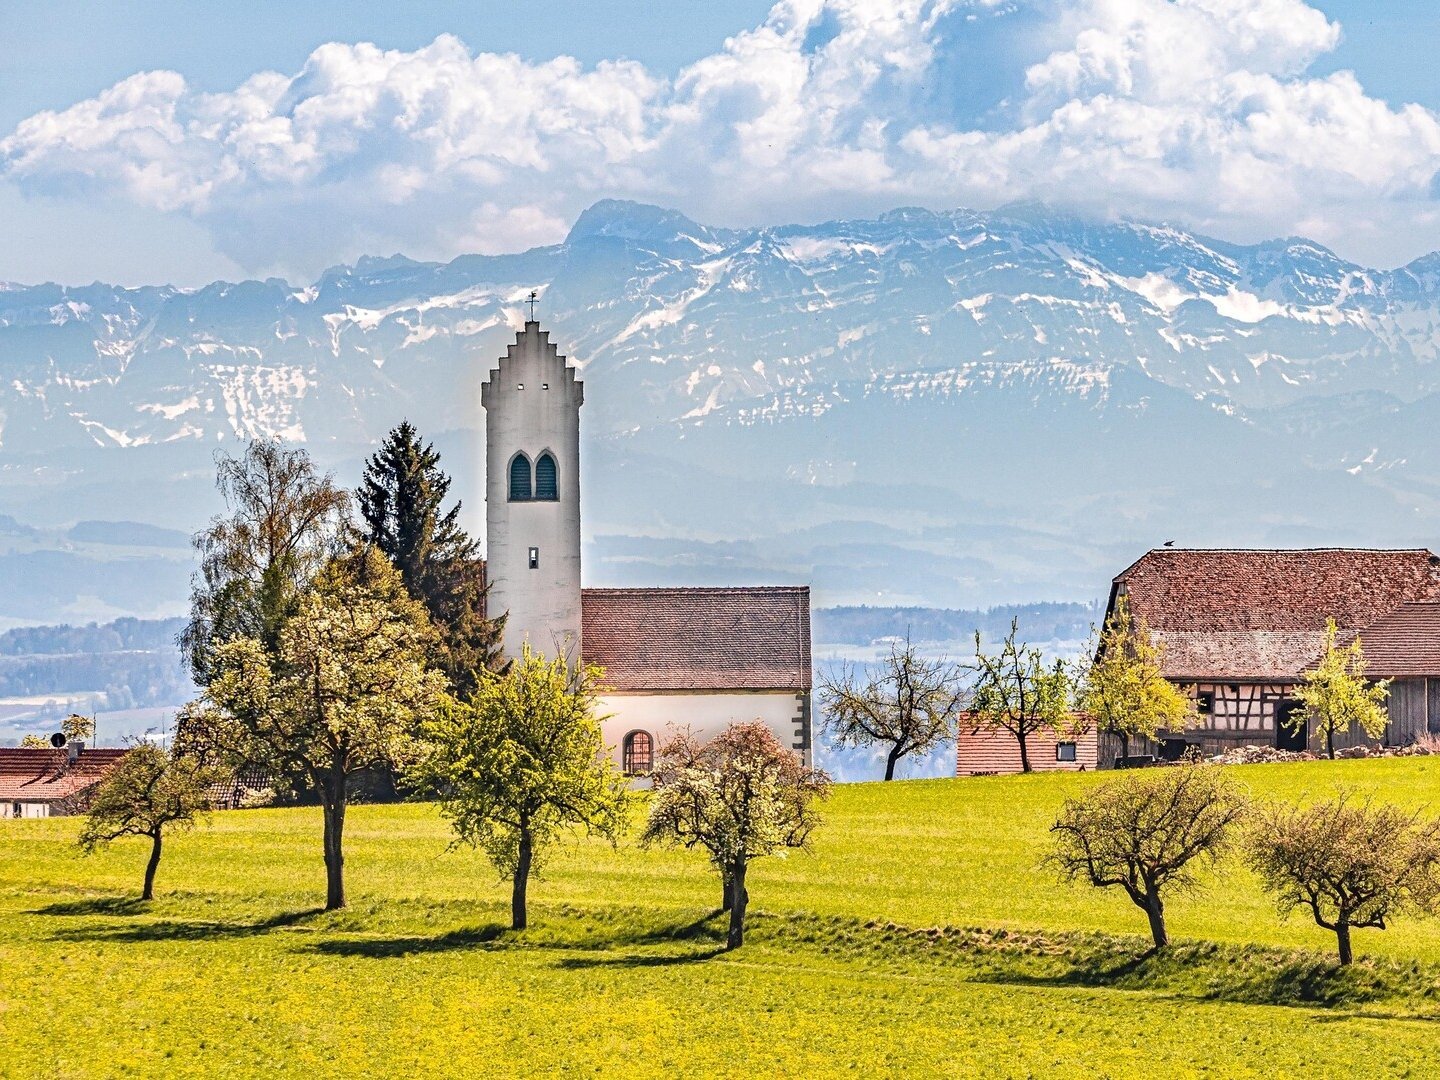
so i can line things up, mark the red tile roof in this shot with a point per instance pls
(1260, 615)
(699, 639)
(1404, 643)
(40, 774)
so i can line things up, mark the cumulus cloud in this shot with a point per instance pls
(1196, 110)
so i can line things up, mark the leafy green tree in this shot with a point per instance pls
(1016, 692)
(1336, 695)
(344, 691)
(1144, 832)
(35, 742)
(76, 726)
(401, 504)
(521, 761)
(286, 522)
(1353, 864)
(910, 705)
(738, 797)
(147, 792)
(1124, 691)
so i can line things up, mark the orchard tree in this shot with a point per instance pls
(1351, 863)
(1336, 695)
(1146, 832)
(147, 792)
(76, 726)
(1016, 692)
(909, 706)
(344, 691)
(401, 502)
(1124, 691)
(285, 523)
(520, 762)
(738, 797)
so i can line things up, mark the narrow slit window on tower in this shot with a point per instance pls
(520, 490)
(535, 558)
(546, 486)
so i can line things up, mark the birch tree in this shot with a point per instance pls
(909, 706)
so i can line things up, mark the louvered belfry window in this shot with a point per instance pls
(520, 479)
(546, 486)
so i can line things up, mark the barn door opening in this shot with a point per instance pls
(1287, 735)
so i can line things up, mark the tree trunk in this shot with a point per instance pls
(1330, 741)
(890, 760)
(1124, 744)
(518, 919)
(1342, 934)
(152, 866)
(1024, 754)
(741, 900)
(726, 901)
(1155, 911)
(334, 806)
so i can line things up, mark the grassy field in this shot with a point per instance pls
(923, 935)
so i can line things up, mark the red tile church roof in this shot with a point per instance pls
(699, 639)
(40, 774)
(1260, 615)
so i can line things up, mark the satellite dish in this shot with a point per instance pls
(57, 740)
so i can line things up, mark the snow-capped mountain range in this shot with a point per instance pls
(946, 408)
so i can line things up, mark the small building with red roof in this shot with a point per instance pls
(37, 782)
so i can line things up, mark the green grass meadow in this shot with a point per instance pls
(922, 935)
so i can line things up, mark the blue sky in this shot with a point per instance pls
(1223, 115)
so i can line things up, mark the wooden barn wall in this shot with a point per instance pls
(1409, 709)
(987, 753)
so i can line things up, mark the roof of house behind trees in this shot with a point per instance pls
(1254, 614)
(43, 774)
(699, 639)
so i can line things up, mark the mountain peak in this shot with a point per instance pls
(626, 220)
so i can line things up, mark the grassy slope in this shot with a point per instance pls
(232, 968)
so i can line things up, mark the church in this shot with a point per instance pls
(702, 658)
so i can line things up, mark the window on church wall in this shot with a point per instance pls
(546, 484)
(638, 754)
(520, 489)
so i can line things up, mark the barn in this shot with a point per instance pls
(1241, 627)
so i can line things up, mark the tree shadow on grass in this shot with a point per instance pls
(97, 905)
(381, 948)
(186, 930)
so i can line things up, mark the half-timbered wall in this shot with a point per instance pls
(1244, 714)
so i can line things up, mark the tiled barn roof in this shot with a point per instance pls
(40, 774)
(1404, 643)
(1248, 614)
(699, 639)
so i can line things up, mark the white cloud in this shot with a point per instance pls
(1195, 110)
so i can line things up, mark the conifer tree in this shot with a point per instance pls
(401, 506)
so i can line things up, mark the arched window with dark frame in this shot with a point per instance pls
(520, 490)
(638, 754)
(546, 485)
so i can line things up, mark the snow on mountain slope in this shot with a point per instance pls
(1019, 343)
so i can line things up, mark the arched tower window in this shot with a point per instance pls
(638, 753)
(546, 486)
(520, 479)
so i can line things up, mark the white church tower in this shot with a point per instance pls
(532, 494)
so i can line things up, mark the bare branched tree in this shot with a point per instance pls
(1351, 862)
(1145, 832)
(910, 705)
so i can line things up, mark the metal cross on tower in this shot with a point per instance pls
(532, 301)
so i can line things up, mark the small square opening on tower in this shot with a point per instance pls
(534, 558)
